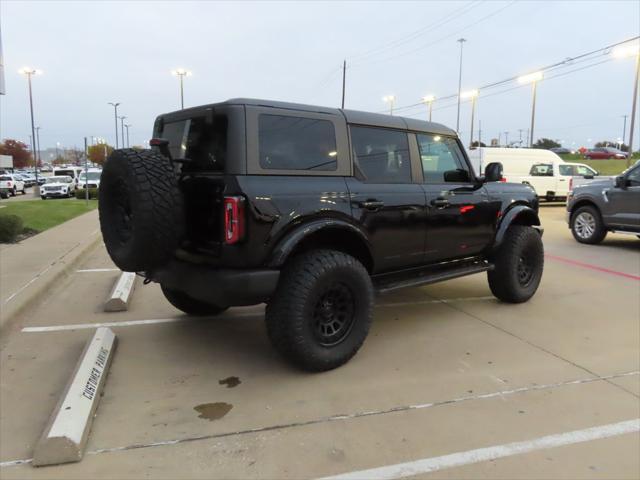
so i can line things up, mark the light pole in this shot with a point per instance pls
(181, 72)
(533, 78)
(506, 138)
(624, 51)
(38, 147)
(428, 99)
(122, 128)
(127, 127)
(390, 99)
(115, 118)
(624, 128)
(461, 41)
(472, 94)
(29, 72)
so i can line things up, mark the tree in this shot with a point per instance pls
(607, 143)
(76, 156)
(21, 155)
(546, 143)
(97, 153)
(59, 160)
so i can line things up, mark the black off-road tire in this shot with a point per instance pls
(321, 312)
(141, 209)
(190, 305)
(519, 263)
(587, 225)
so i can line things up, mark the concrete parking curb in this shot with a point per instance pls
(44, 276)
(121, 294)
(66, 434)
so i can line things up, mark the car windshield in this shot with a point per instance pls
(90, 175)
(58, 180)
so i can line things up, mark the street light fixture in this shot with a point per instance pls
(428, 99)
(473, 95)
(115, 118)
(30, 72)
(532, 78)
(625, 51)
(390, 99)
(181, 72)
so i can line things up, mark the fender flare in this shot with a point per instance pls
(528, 215)
(290, 241)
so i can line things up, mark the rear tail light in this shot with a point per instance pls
(234, 221)
(503, 179)
(9, 184)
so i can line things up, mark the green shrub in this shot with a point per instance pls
(10, 227)
(80, 195)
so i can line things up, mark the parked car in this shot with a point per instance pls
(29, 179)
(553, 181)
(311, 210)
(609, 205)
(562, 151)
(11, 184)
(58, 186)
(73, 172)
(600, 153)
(515, 161)
(90, 178)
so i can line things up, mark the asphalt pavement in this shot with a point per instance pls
(450, 383)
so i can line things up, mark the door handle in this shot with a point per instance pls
(440, 202)
(371, 204)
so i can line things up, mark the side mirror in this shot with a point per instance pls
(621, 182)
(493, 172)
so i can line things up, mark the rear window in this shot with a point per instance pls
(70, 173)
(296, 143)
(542, 170)
(5, 179)
(201, 141)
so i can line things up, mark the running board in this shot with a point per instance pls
(426, 277)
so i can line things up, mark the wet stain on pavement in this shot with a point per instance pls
(213, 411)
(230, 382)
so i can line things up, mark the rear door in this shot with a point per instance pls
(385, 198)
(460, 219)
(623, 207)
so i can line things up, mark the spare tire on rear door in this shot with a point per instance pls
(141, 209)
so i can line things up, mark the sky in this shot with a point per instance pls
(92, 53)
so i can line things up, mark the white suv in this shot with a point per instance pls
(10, 185)
(58, 186)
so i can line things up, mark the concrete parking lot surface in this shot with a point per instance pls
(446, 369)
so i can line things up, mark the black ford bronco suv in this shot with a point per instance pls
(312, 210)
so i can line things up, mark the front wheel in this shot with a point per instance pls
(321, 312)
(14, 192)
(518, 265)
(190, 305)
(587, 225)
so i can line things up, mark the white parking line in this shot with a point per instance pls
(342, 417)
(434, 464)
(93, 270)
(129, 323)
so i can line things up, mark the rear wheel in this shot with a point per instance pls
(587, 225)
(322, 310)
(14, 192)
(190, 305)
(519, 263)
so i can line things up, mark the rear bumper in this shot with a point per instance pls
(223, 287)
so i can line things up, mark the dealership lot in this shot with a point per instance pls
(446, 369)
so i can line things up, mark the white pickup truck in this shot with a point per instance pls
(554, 180)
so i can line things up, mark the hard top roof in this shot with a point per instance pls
(352, 116)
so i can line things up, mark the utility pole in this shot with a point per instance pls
(461, 41)
(115, 118)
(520, 136)
(533, 113)
(86, 172)
(29, 72)
(506, 138)
(624, 129)
(473, 112)
(122, 128)
(127, 127)
(479, 133)
(38, 147)
(344, 80)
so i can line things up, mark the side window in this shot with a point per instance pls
(296, 143)
(542, 170)
(176, 133)
(381, 155)
(566, 170)
(441, 159)
(583, 170)
(634, 177)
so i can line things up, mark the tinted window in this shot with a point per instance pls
(5, 179)
(634, 177)
(542, 170)
(566, 169)
(381, 155)
(296, 143)
(442, 160)
(584, 170)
